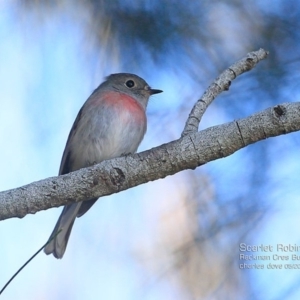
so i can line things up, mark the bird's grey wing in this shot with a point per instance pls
(66, 164)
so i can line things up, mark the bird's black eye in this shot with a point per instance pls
(130, 83)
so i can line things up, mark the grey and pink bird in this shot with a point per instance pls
(111, 123)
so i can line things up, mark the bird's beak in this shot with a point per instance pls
(154, 91)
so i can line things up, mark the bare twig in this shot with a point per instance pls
(27, 262)
(221, 84)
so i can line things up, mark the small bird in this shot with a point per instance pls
(112, 122)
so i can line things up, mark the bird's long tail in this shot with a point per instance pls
(58, 245)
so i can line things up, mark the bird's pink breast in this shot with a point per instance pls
(125, 104)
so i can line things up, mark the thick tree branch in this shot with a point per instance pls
(221, 84)
(190, 151)
(122, 173)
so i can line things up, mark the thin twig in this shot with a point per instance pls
(27, 262)
(221, 84)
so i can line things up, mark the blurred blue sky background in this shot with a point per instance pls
(146, 243)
